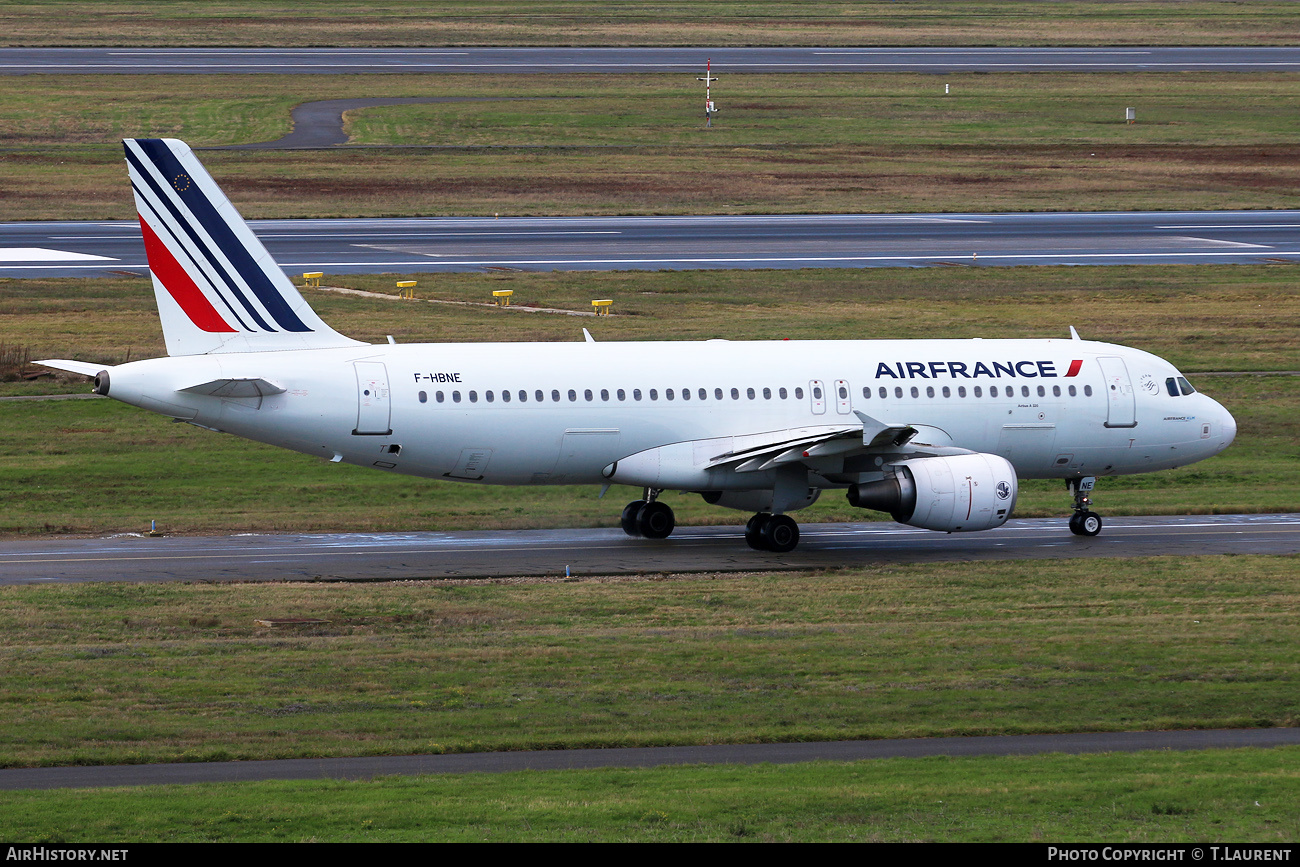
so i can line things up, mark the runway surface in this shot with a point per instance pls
(647, 757)
(94, 249)
(578, 553)
(300, 61)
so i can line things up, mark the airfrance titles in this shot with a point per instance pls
(966, 370)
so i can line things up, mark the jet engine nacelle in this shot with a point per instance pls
(952, 494)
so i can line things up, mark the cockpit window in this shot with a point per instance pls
(1185, 386)
(1171, 386)
(1177, 385)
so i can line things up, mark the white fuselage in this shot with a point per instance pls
(550, 413)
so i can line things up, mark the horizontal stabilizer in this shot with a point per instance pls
(82, 367)
(236, 388)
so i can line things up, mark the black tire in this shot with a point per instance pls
(655, 520)
(780, 534)
(754, 531)
(628, 518)
(1085, 523)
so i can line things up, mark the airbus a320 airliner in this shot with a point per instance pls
(934, 432)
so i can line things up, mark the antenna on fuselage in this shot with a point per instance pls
(1074, 335)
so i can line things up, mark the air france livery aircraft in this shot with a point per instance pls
(934, 432)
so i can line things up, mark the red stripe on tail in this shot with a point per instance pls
(179, 285)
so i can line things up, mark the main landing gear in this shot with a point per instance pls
(777, 533)
(1084, 521)
(649, 517)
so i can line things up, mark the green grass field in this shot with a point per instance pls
(636, 144)
(107, 673)
(1239, 796)
(134, 673)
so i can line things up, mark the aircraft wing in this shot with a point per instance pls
(767, 451)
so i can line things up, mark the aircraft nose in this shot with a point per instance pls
(1229, 427)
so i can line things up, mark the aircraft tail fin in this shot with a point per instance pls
(218, 289)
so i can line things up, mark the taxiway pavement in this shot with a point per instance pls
(577, 553)
(367, 246)
(307, 61)
(364, 768)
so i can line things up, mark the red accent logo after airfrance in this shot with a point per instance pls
(977, 370)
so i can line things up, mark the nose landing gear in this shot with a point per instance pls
(1084, 521)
